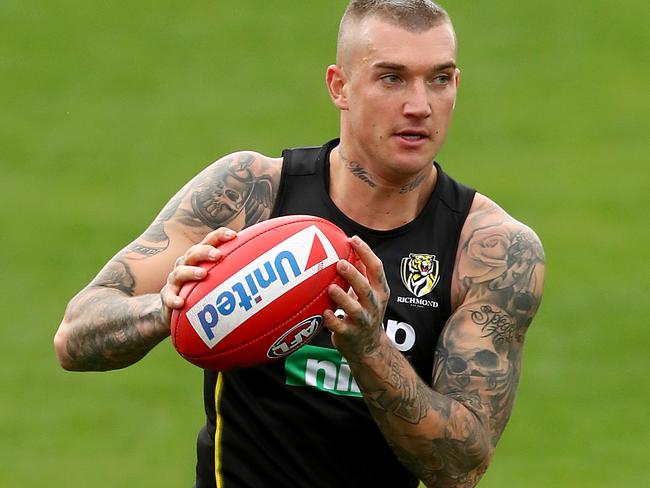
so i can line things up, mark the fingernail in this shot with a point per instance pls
(178, 302)
(356, 240)
(199, 273)
(213, 254)
(230, 233)
(343, 265)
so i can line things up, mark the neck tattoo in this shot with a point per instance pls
(412, 185)
(357, 170)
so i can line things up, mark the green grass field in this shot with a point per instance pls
(106, 108)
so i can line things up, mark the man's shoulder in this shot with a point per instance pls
(237, 190)
(485, 213)
(495, 251)
(247, 160)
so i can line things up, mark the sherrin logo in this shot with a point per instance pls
(420, 273)
(260, 283)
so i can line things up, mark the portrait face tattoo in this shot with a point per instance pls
(226, 197)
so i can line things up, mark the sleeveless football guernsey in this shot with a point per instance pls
(302, 422)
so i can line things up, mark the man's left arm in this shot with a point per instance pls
(446, 433)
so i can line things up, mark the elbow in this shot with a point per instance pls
(61, 349)
(478, 443)
(483, 458)
(470, 451)
(478, 453)
(461, 461)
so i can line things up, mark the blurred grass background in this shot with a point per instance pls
(106, 108)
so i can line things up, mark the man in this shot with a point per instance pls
(413, 383)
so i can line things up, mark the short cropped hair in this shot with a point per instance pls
(412, 15)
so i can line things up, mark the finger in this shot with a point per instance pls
(373, 266)
(182, 274)
(361, 288)
(175, 280)
(200, 253)
(353, 294)
(343, 300)
(333, 323)
(216, 237)
(170, 298)
(357, 263)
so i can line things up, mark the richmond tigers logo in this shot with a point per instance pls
(420, 273)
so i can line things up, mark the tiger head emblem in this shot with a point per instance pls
(420, 273)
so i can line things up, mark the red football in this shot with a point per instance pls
(265, 297)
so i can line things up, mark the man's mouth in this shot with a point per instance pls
(413, 135)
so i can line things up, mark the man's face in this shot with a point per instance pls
(400, 91)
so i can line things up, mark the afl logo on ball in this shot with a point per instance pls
(420, 273)
(295, 337)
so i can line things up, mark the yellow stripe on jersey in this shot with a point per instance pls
(217, 431)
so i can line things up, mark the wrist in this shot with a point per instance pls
(155, 314)
(375, 350)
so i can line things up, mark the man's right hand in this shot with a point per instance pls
(186, 268)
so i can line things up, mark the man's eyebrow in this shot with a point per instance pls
(400, 67)
(389, 65)
(444, 66)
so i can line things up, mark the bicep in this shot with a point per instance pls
(236, 191)
(501, 268)
(478, 363)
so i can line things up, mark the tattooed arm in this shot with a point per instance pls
(446, 433)
(120, 316)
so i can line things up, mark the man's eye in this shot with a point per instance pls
(441, 79)
(391, 79)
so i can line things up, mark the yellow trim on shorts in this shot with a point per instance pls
(217, 431)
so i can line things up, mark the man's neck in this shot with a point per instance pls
(375, 202)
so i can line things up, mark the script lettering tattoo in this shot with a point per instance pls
(147, 251)
(155, 240)
(231, 190)
(412, 185)
(357, 170)
(497, 324)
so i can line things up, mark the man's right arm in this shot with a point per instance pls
(120, 316)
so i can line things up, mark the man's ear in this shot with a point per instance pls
(336, 85)
(457, 81)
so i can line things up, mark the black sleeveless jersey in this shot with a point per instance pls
(302, 422)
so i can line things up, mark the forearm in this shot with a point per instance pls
(443, 443)
(106, 329)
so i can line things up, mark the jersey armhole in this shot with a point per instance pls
(279, 200)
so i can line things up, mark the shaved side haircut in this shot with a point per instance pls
(411, 15)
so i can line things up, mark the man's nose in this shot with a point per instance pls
(417, 103)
